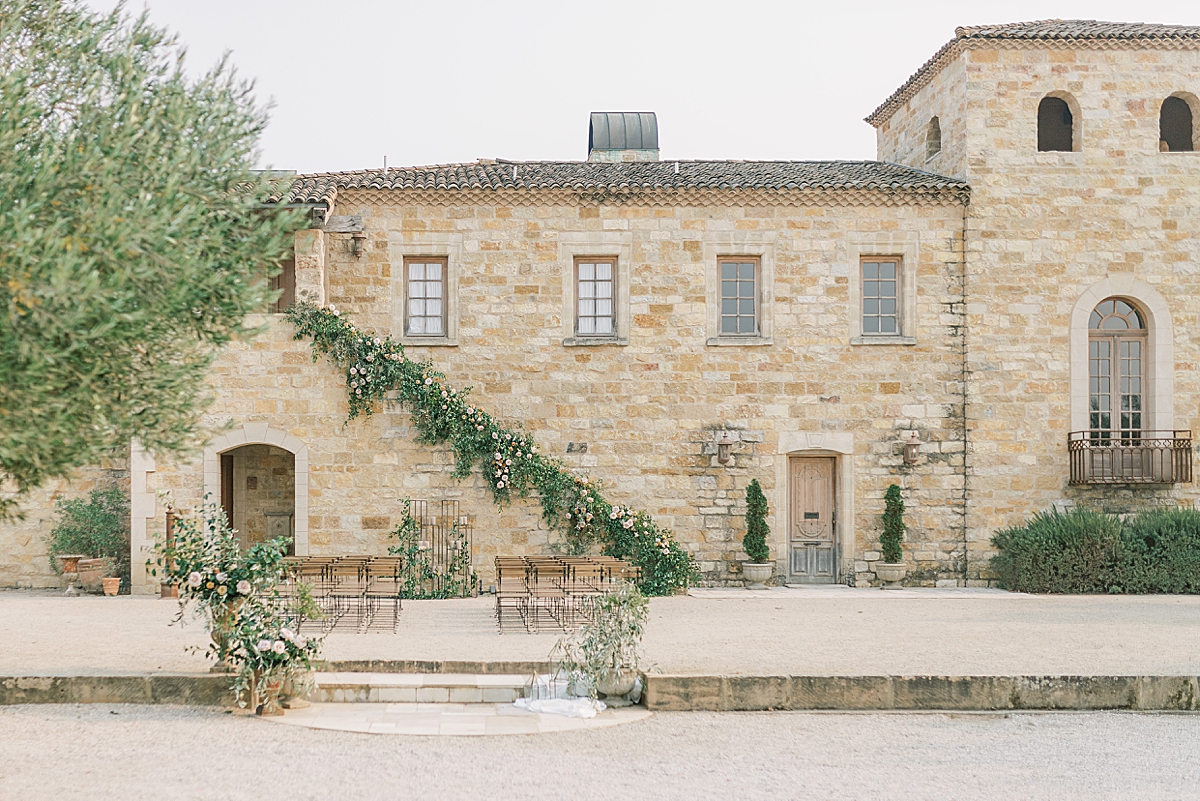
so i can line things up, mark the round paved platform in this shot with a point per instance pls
(447, 720)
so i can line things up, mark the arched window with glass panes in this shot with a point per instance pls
(1117, 384)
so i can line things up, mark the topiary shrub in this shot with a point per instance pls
(893, 526)
(96, 527)
(757, 530)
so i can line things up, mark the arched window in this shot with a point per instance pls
(933, 139)
(1175, 131)
(1056, 125)
(1116, 370)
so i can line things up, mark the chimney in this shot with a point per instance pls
(623, 136)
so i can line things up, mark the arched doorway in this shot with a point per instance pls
(219, 477)
(258, 493)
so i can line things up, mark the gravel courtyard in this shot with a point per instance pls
(829, 631)
(134, 752)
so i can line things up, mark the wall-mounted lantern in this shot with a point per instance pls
(911, 448)
(358, 243)
(724, 448)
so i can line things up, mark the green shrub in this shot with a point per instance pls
(893, 526)
(755, 541)
(1160, 552)
(96, 527)
(1085, 551)
(1055, 552)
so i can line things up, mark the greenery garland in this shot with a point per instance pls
(509, 459)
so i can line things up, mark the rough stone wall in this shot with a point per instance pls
(649, 412)
(264, 480)
(24, 560)
(902, 139)
(1044, 227)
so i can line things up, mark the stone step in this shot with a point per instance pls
(458, 688)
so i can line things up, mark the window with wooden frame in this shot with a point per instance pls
(880, 295)
(595, 297)
(1116, 370)
(424, 296)
(285, 284)
(740, 279)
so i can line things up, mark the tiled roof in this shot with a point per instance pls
(1072, 32)
(1078, 29)
(630, 178)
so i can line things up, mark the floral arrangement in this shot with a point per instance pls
(376, 370)
(268, 648)
(419, 579)
(204, 560)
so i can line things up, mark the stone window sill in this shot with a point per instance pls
(728, 341)
(585, 342)
(883, 340)
(428, 342)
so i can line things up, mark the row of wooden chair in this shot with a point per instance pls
(354, 592)
(554, 592)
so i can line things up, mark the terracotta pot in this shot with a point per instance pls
(111, 585)
(891, 574)
(91, 571)
(757, 574)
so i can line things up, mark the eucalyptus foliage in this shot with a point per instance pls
(609, 642)
(134, 239)
(376, 370)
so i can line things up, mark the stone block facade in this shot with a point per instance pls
(998, 279)
(1051, 234)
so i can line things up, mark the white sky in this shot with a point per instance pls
(442, 81)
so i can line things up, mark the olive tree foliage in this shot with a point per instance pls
(133, 240)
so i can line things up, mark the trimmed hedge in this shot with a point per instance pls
(1088, 552)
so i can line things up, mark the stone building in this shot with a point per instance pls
(1009, 288)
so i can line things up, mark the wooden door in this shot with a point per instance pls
(812, 540)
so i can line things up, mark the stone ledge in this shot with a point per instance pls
(738, 693)
(137, 688)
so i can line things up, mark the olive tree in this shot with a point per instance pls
(133, 237)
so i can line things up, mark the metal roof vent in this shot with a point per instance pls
(623, 136)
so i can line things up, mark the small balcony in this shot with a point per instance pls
(1130, 457)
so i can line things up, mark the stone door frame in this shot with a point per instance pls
(262, 434)
(840, 446)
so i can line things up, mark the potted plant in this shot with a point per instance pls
(112, 584)
(95, 526)
(758, 570)
(892, 569)
(602, 657)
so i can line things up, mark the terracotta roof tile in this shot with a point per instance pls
(627, 177)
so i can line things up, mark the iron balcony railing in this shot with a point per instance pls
(1130, 457)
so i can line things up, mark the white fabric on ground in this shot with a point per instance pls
(567, 707)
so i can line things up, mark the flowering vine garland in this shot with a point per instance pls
(509, 459)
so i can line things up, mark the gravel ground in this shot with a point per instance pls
(827, 632)
(134, 752)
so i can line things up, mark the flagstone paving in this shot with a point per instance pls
(814, 631)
